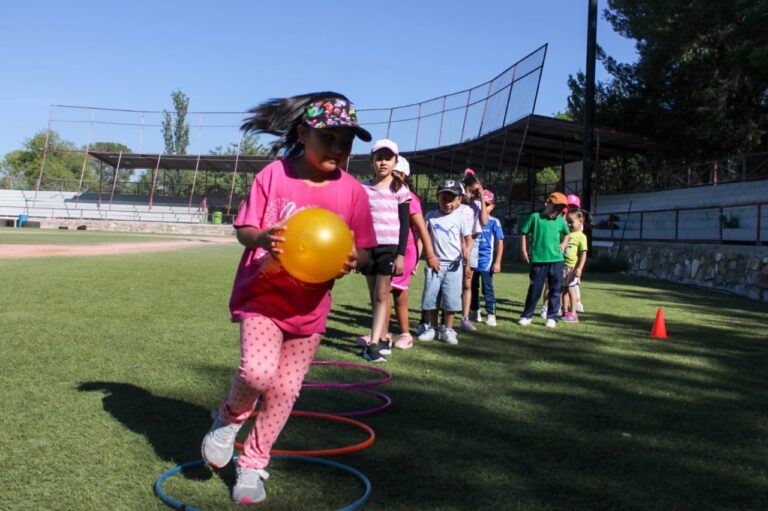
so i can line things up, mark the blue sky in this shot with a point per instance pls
(230, 55)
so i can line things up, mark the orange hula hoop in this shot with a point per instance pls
(326, 452)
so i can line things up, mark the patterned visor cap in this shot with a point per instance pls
(332, 113)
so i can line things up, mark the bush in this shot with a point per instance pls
(607, 264)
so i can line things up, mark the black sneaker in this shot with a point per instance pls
(385, 348)
(373, 354)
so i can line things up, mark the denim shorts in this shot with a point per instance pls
(448, 283)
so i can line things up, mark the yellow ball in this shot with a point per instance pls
(317, 244)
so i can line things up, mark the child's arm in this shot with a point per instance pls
(403, 214)
(524, 249)
(499, 252)
(485, 216)
(468, 243)
(581, 263)
(253, 238)
(564, 243)
(426, 241)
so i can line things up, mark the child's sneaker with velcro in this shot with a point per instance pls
(219, 443)
(372, 354)
(249, 487)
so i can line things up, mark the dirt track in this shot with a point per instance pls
(19, 251)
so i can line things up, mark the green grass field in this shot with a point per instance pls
(110, 367)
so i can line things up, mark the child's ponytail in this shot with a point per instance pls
(281, 117)
(470, 178)
(396, 183)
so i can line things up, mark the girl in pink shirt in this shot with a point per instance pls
(418, 241)
(388, 199)
(282, 319)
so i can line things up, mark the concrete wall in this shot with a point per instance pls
(741, 270)
(145, 227)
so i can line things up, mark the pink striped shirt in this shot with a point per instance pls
(384, 203)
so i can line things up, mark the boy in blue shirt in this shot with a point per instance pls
(490, 252)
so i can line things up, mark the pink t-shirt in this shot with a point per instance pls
(262, 286)
(384, 203)
(413, 208)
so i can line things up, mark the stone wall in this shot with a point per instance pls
(742, 270)
(144, 227)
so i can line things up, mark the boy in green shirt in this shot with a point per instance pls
(549, 236)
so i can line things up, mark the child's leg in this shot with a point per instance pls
(554, 274)
(371, 281)
(537, 277)
(380, 306)
(488, 292)
(295, 355)
(401, 309)
(448, 318)
(466, 292)
(475, 292)
(260, 341)
(572, 298)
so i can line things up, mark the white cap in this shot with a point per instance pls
(385, 143)
(403, 166)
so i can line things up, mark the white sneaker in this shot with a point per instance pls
(421, 328)
(524, 321)
(543, 312)
(475, 316)
(219, 443)
(579, 307)
(449, 336)
(551, 323)
(491, 321)
(428, 334)
(249, 487)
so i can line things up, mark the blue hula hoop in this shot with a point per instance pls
(358, 504)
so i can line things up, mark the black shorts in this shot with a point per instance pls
(381, 261)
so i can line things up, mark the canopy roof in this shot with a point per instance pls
(545, 141)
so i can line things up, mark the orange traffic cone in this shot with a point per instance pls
(659, 330)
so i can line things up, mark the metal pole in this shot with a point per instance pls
(466, 111)
(418, 125)
(528, 123)
(141, 133)
(194, 179)
(114, 180)
(45, 151)
(389, 121)
(442, 116)
(154, 182)
(234, 174)
(485, 109)
(589, 104)
(85, 161)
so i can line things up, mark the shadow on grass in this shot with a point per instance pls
(571, 429)
(167, 424)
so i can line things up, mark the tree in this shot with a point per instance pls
(62, 169)
(250, 144)
(176, 137)
(105, 173)
(176, 132)
(700, 84)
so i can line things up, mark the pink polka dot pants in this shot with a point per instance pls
(273, 364)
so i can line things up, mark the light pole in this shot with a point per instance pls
(589, 107)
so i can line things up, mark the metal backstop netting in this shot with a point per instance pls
(122, 152)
